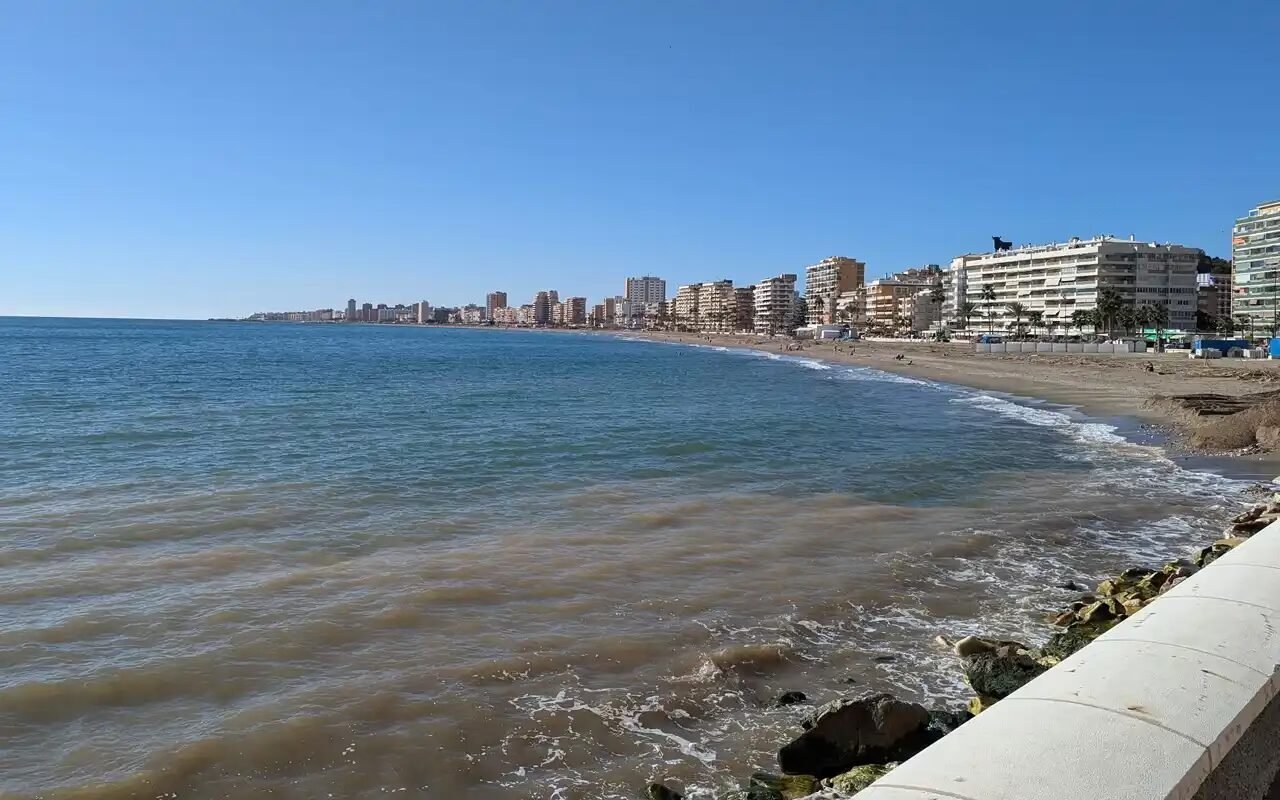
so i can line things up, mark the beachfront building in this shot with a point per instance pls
(716, 312)
(1213, 298)
(685, 307)
(744, 308)
(526, 315)
(575, 311)
(505, 315)
(493, 301)
(1060, 278)
(423, 312)
(472, 315)
(542, 308)
(653, 314)
(644, 290)
(1255, 268)
(882, 301)
(919, 311)
(774, 300)
(825, 281)
(352, 313)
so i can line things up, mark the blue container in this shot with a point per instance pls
(1273, 349)
(1222, 345)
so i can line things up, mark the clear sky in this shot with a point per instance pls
(182, 159)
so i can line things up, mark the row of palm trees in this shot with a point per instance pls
(1111, 314)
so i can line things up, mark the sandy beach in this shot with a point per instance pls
(1098, 385)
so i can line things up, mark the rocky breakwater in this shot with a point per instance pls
(848, 744)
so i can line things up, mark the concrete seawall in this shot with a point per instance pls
(1176, 702)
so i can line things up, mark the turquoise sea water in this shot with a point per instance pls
(242, 558)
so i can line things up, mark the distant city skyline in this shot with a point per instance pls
(442, 151)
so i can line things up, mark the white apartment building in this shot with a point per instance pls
(1057, 279)
(825, 281)
(644, 290)
(774, 302)
(1255, 267)
(716, 310)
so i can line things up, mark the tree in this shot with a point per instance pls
(1207, 322)
(988, 298)
(1244, 324)
(1109, 305)
(1127, 318)
(1036, 320)
(1016, 310)
(1080, 318)
(1226, 326)
(937, 294)
(966, 311)
(1157, 316)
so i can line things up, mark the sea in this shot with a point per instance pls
(357, 561)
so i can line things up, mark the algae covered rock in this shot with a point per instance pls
(1217, 550)
(1001, 673)
(979, 704)
(1076, 636)
(872, 729)
(789, 786)
(753, 793)
(859, 778)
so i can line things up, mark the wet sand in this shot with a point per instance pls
(1098, 385)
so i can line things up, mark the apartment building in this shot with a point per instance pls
(1213, 295)
(1060, 278)
(493, 301)
(825, 281)
(504, 315)
(685, 306)
(774, 300)
(424, 312)
(1255, 266)
(575, 311)
(744, 308)
(716, 310)
(542, 308)
(920, 311)
(526, 315)
(644, 290)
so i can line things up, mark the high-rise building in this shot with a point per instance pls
(553, 296)
(645, 290)
(351, 310)
(1213, 296)
(599, 315)
(1255, 267)
(424, 312)
(494, 301)
(610, 310)
(827, 280)
(716, 312)
(1061, 278)
(774, 300)
(367, 313)
(685, 307)
(744, 308)
(542, 308)
(557, 313)
(575, 311)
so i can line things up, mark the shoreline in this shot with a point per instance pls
(1113, 389)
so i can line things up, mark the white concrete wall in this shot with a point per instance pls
(1109, 348)
(1148, 711)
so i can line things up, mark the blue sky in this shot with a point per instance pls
(165, 159)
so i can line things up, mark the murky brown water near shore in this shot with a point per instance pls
(544, 633)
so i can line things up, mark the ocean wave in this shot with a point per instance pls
(1084, 432)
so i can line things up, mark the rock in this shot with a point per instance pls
(1077, 635)
(1133, 605)
(657, 791)
(1072, 586)
(979, 704)
(1218, 549)
(886, 659)
(789, 786)
(972, 645)
(789, 699)
(999, 675)
(1250, 515)
(1064, 619)
(859, 778)
(1096, 612)
(1174, 582)
(843, 734)
(753, 793)
(1251, 527)
(944, 722)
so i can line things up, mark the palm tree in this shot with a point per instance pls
(1080, 318)
(966, 310)
(1158, 317)
(1226, 326)
(1035, 319)
(1016, 310)
(1244, 323)
(1109, 305)
(1127, 317)
(937, 294)
(989, 297)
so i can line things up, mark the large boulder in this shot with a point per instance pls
(1076, 636)
(844, 734)
(999, 674)
(753, 793)
(859, 778)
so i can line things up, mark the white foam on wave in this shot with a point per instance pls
(1086, 432)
